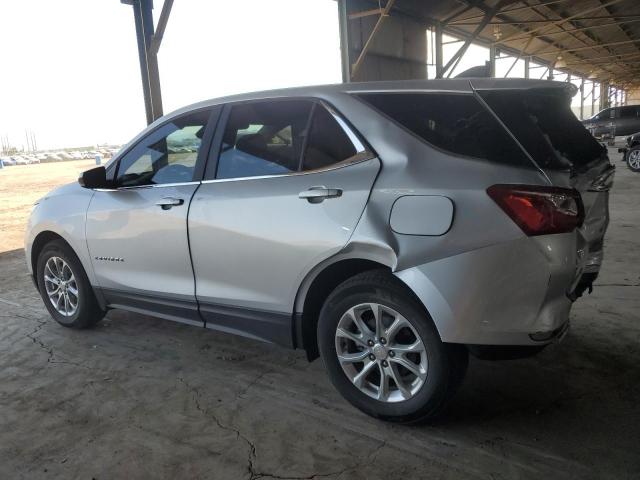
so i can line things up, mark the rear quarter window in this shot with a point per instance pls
(546, 127)
(455, 123)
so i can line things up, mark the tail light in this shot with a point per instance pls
(540, 210)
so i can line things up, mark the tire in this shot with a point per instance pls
(633, 158)
(437, 369)
(61, 262)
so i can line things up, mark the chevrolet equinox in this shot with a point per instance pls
(389, 228)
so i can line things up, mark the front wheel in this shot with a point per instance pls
(383, 353)
(633, 158)
(65, 288)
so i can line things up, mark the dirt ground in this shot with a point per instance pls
(139, 397)
(21, 186)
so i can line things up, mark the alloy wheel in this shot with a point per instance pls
(634, 159)
(61, 287)
(381, 352)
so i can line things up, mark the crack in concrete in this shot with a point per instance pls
(39, 342)
(252, 454)
(259, 377)
(49, 349)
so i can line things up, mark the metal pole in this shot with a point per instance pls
(142, 57)
(365, 48)
(439, 51)
(152, 58)
(343, 23)
(582, 99)
(527, 60)
(492, 60)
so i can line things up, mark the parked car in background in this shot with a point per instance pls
(7, 161)
(20, 160)
(389, 228)
(631, 153)
(614, 121)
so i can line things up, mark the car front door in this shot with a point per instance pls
(137, 232)
(291, 182)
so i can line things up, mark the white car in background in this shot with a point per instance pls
(20, 160)
(7, 161)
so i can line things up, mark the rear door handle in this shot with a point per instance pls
(319, 194)
(167, 202)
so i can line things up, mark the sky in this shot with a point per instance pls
(70, 71)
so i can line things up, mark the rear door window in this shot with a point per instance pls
(275, 137)
(263, 138)
(546, 127)
(456, 123)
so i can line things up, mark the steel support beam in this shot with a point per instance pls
(587, 47)
(492, 61)
(453, 61)
(148, 45)
(582, 99)
(562, 21)
(506, 12)
(439, 50)
(383, 15)
(345, 47)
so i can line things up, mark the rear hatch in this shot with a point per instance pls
(543, 123)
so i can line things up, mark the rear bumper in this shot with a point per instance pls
(515, 293)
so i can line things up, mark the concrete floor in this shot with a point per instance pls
(139, 397)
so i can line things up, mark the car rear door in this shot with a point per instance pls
(137, 232)
(285, 186)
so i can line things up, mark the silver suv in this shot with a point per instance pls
(389, 228)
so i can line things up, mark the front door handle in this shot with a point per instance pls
(167, 202)
(319, 194)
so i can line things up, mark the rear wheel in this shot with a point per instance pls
(383, 353)
(65, 288)
(633, 158)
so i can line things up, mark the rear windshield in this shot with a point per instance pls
(546, 127)
(456, 123)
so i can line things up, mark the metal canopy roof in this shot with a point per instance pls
(600, 38)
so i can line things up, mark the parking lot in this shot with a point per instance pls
(112, 401)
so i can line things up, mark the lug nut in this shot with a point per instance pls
(385, 363)
(372, 357)
(383, 340)
(392, 353)
(370, 343)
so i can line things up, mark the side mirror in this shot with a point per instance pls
(95, 178)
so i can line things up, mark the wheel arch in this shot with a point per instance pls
(46, 236)
(317, 286)
(39, 242)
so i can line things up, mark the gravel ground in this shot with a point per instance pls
(139, 397)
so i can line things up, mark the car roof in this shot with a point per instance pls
(461, 85)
